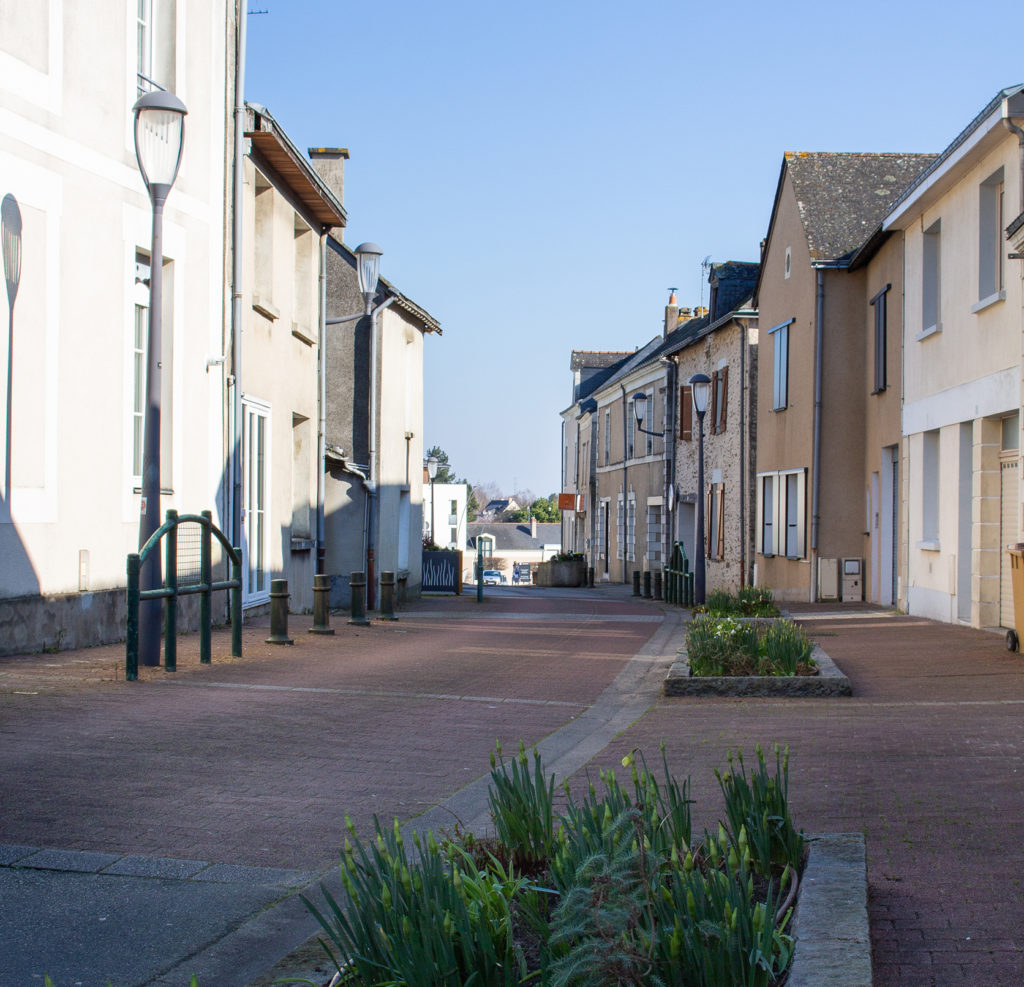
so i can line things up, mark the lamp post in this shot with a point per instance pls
(432, 473)
(701, 389)
(159, 139)
(10, 220)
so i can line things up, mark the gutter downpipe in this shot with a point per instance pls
(819, 331)
(321, 438)
(669, 447)
(744, 445)
(625, 474)
(235, 455)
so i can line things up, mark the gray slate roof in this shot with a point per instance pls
(843, 197)
(510, 537)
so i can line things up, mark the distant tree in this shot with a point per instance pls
(545, 510)
(445, 474)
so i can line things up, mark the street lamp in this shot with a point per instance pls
(10, 221)
(368, 266)
(159, 140)
(432, 472)
(640, 411)
(700, 385)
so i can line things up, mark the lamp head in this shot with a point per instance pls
(10, 220)
(368, 268)
(159, 140)
(701, 390)
(432, 467)
(640, 406)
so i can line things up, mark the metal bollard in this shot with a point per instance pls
(647, 584)
(357, 581)
(657, 585)
(636, 582)
(321, 605)
(387, 596)
(590, 577)
(279, 612)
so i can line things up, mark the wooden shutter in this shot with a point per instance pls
(707, 520)
(686, 412)
(714, 403)
(720, 507)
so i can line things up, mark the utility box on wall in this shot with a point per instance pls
(828, 579)
(853, 580)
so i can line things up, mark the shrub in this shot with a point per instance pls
(732, 646)
(786, 648)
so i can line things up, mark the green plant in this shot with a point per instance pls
(756, 601)
(522, 808)
(757, 809)
(786, 647)
(721, 646)
(421, 922)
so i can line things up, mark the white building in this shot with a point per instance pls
(444, 514)
(74, 327)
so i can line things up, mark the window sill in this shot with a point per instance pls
(930, 331)
(303, 333)
(929, 545)
(782, 407)
(266, 308)
(998, 296)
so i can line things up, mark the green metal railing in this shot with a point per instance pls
(678, 578)
(173, 588)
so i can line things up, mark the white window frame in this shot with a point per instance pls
(649, 444)
(990, 241)
(654, 528)
(931, 280)
(782, 513)
(780, 365)
(620, 526)
(631, 528)
(139, 350)
(256, 519)
(607, 436)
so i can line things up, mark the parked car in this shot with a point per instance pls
(493, 578)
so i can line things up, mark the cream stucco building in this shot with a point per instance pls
(962, 371)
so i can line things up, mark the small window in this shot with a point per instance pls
(990, 233)
(620, 527)
(649, 445)
(881, 340)
(686, 413)
(780, 365)
(607, 436)
(654, 534)
(715, 541)
(782, 513)
(631, 530)
(931, 279)
(719, 399)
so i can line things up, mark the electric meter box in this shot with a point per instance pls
(852, 578)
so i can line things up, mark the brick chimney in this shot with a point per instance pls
(329, 163)
(671, 312)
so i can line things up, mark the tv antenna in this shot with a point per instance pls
(705, 266)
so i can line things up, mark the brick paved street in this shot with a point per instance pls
(927, 759)
(256, 762)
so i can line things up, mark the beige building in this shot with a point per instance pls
(813, 383)
(960, 455)
(74, 328)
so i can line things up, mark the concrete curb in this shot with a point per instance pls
(830, 925)
(829, 681)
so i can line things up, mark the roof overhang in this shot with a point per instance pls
(985, 132)
(293, 168)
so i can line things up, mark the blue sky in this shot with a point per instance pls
(539, 174)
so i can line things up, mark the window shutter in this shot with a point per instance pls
(720, 506)
(707, 521)
(686, 413)
(713, 430)
(724, 375)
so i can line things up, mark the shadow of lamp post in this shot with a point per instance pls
(10, 221)
(159, 140)
(701, 390)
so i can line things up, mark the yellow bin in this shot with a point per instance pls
(1014, 637)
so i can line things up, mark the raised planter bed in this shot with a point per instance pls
(829, 681)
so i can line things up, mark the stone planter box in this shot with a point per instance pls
(830, 924)
(829, 681)
(561, 573)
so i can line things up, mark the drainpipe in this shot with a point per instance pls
(625, 490)
(235, 381)
(744, 444)
(672, 387)
(819, 330)
(321, 432)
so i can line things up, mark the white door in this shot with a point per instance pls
(255, 501)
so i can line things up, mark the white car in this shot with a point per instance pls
(493, 578)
